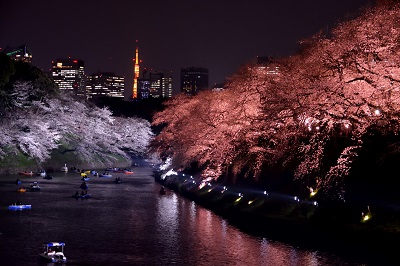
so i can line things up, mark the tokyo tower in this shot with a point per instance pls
(136, 74)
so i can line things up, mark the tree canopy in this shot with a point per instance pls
(36, 118)
(342, 85)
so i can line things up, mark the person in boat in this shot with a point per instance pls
(18, 202)
(77, 193)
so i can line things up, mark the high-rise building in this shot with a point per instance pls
(69, 74)
(166, 87)
(20, 53)
(193, 79)
(155, 85)
(105, 84)
(143, 88)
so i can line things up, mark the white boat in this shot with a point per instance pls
(54, 252)
(64, 168)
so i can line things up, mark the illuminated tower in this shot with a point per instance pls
(136, 74)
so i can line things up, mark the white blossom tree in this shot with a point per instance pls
(36, 127)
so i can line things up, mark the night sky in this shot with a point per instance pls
(220, 35)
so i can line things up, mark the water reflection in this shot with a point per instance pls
(213, 241)
(132, 224)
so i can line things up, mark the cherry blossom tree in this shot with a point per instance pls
(37, 125)
(340, 86)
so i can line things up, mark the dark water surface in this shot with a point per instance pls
(130, 224)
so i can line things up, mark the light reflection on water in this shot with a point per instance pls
(131, 224)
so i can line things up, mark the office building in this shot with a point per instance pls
(154, 85)
(193, 80)
(69, 75)
(105, 84)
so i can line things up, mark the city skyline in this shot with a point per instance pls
(220, 36)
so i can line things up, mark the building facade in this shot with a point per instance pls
(155, 85)
(69, 75)
(193, 80)
(105, 84)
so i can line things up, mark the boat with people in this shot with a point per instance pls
(18, 206)
(82, 195)
(111, 169)
(34, 186)
(21, 190)
(64, 168)
(84, 172)
(26, 173)
(54, 252)
(105, 175)
(41, 173)
(124, 171)
(119, 170)
(84, 186)
(85, 178)
(128, 172)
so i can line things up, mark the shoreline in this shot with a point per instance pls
(325, 228)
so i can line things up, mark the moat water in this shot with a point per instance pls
(131, 224)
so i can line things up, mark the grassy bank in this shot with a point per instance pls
(16, 162)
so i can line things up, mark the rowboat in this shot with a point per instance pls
(84, 186)
(19, 207)
(105, 175)
(26, 173)
(21, 190)
(41, 173)
(34, 186)
(82, 196)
